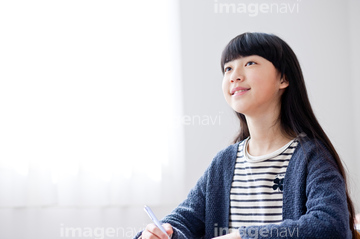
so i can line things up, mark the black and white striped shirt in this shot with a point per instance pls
(256, 191)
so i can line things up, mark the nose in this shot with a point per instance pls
(237, 79)
(237, 76)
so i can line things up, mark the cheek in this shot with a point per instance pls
(265, 82)
(267, 90)
(226, 89)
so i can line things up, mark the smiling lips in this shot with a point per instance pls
(239, 91)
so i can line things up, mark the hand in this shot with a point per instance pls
(153, 232)
(233, 235)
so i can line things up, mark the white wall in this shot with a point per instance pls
(325, 36)
(354, 37)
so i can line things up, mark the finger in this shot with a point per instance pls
(152, 232)
(148, 235)
(168, 228)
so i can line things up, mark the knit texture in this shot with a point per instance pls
(314, 199)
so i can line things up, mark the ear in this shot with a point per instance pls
(284, 82)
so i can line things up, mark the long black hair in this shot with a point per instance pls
(296, 115)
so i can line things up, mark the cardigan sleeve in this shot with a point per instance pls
(206, 202)
(325, 211)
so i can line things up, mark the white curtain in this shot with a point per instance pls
(89, 96)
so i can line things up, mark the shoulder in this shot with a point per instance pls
(310, 155)
(313, 149)
(229, 150)
(227, 153)
(308, 145)
(225, 159)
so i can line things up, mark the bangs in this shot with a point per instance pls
(265, 45)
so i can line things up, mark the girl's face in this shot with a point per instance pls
(253, 86)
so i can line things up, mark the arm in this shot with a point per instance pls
(207, 204)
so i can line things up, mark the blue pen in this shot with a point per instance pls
(155, 220)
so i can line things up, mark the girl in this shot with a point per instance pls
(282, 177)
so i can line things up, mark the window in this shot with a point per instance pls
(88, 99)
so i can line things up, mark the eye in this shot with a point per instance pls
(249, 63)
(228, 68)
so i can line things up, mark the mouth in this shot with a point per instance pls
(239, 91)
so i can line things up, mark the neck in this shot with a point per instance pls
(266, 135)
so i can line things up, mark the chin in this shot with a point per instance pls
(240, 110)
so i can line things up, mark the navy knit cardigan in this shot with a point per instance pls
(314, 199)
